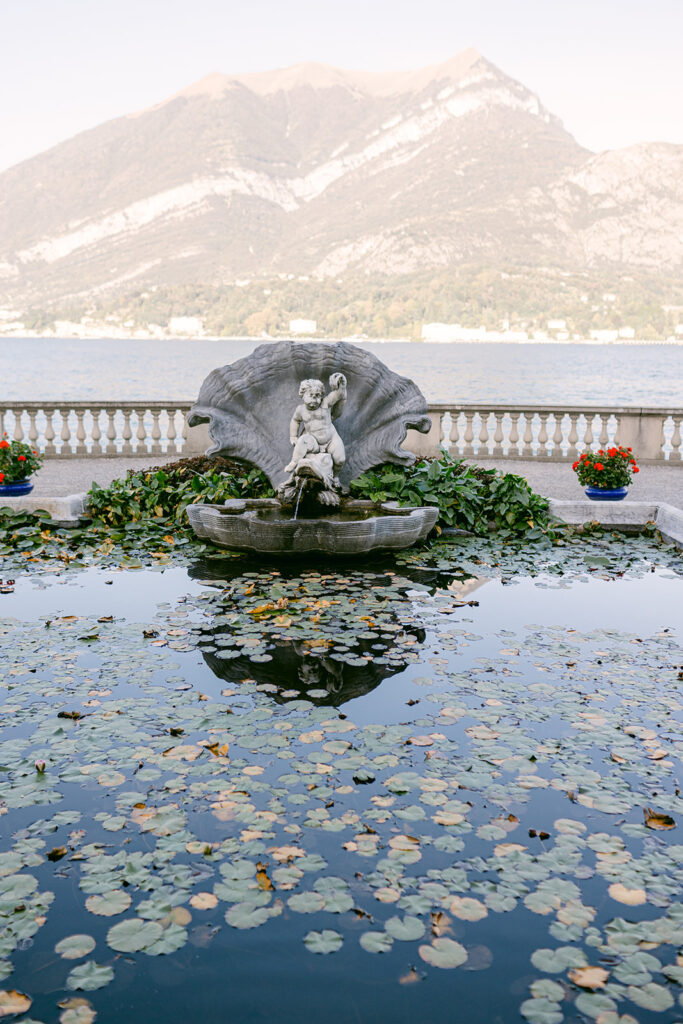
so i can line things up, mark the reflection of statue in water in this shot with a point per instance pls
(318, 450)
(320, 672)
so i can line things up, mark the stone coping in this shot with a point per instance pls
(621, 515)
(64, 511)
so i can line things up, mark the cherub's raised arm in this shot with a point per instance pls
(334, 401)
(294, 425)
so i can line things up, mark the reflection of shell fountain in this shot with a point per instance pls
(259, 407)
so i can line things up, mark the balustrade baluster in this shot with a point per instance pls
(662, 439)
(50, 449)
(111, 448)
(543, 436)
(32, 428)
(65, 433)
(604, 437)
(141, 433)
(126, 433)
(513, 448)
(454, 435)
(558, 437)
(81, 448)
(588, 435)
(483, 435)
(96, 433)
(171, 433)
(156, 433)
(527, 448)
(498, 435)
(573, 451)
(676, 450)
(18, 426)
(469, 435)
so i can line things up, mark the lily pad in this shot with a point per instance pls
(405, 929)
(89, 976)
(133, 934)
(376, 942)
(444, 953)
(326, 941)
(73, 947)
(108, 904)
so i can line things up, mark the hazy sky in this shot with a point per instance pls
(610, 69)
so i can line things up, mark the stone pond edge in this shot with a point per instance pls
(633, 515)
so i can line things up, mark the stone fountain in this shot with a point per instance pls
(313, 417)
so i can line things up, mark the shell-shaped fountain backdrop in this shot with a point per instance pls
(249, 404)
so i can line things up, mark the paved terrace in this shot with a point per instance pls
(655, 483)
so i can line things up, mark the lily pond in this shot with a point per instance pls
(435, 787)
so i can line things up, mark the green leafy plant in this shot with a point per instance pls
(158, 497)
(607, 468)
(468, 497)
(142, 515)
(17, 460)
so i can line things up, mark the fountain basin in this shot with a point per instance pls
(264, 525)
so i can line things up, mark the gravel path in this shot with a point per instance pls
(59, 477)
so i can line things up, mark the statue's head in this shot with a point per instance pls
(312, 391)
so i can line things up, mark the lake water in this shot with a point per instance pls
(37, 369)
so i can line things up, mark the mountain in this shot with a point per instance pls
(321, 172)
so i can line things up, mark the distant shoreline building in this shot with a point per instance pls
(303, 326)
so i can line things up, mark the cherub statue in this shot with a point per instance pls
(315, 415)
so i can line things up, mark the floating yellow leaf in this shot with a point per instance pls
(403, 842)
(203, 901)
(660, 822)
(285, 854)
(410, 978)
(503, 849)
(76, 1011)
(315, 736)
(183, 752)
(387, 893)
(12, 1002)
(440, 923)
(631, 897)
(589, 977)
(467, 908)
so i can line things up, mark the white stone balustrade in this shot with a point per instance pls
(67, 430)
(549, 433)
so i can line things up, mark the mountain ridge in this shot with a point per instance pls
(318, 171)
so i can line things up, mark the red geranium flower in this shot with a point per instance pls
(21, 458)
(600, 451)
(4, 444)
(629, 449)
(636, 470)
(574, 465)
(611, 452)
(599, 465)
(2, 477)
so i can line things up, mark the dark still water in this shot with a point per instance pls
(421, 791)
(647, 375)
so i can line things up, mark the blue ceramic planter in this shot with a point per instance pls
(14, 490)
(606, 493)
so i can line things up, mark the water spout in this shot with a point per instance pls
(298, 497)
